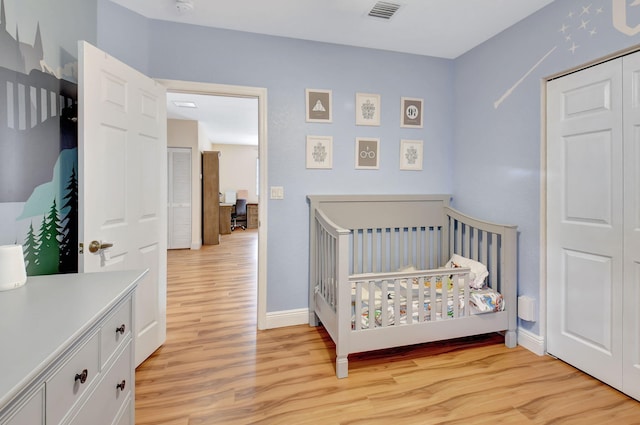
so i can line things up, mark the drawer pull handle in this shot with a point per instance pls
(121, 385)
(120, 330)
(82, 377)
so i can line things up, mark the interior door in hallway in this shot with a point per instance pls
(123, 183)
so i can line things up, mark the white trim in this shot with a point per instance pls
(531, 341)
(281, 319)
(261, 95)
(542, 290)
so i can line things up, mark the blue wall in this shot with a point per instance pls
(498, 148)
(482, 116)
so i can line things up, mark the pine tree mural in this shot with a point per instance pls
(50, 235)
(31, 252)
(68, 252)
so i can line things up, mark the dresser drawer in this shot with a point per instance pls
(112, 392)
(66, 386)
(126, 416)
(115, 331)
(31, 412)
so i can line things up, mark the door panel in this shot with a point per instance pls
(122, 164)
(179, 203)
(584, 220)
(631, 356)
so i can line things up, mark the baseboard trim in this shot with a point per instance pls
(532, 342)
(280, 319)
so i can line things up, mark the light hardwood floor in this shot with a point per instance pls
(216, 368)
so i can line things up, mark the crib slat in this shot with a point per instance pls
(483, 247)
(357, 306)
(366, 251)
(493, 271)
(454, 295)
(384, 305)
(421, 312)
(372, 304)
(409, 302)
(396, 302)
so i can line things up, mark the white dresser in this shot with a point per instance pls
(67, 351)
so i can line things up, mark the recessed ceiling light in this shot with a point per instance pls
(184, 104)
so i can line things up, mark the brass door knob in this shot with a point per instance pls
(96, 246)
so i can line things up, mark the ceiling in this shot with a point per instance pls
(440, 28)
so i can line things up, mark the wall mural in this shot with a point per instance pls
(38, 155)
(580, 26)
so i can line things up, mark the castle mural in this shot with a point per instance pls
(38, 155)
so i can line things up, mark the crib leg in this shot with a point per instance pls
(511, 339)
(313, 319)
(342, 366)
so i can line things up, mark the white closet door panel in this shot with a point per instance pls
(631, 355)
(181, 182)
(179, 198)
(584, 220)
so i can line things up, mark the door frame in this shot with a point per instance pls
(542, 294)
(259, 93)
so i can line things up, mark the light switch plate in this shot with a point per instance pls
(277, 192)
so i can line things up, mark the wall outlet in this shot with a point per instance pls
(527, 308)
(277, 192)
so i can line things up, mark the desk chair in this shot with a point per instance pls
(239, 215)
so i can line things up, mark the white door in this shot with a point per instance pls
(631, 307)
(585, 221)
(179, 198)
(122, 167)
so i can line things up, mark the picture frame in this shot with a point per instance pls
(367, 153)
(318, 105)
(411, 112)
(367, 109)
(319, 152)
(411, 155)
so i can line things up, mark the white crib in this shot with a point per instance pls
(377, 278)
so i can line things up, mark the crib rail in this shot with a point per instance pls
(389, 249)
(405, 298)
(494, 245)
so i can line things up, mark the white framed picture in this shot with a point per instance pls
(318, 105)
(367, 109)
(411, 157)
(411, 112)
(320, 152)
(367, 153)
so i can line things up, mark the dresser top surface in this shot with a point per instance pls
(39, 320)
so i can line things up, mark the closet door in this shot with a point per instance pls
(631, 308)
(179, 198)
(585, 220)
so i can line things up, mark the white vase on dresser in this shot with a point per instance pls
(67, 352)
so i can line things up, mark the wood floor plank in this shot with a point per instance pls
(217, 368)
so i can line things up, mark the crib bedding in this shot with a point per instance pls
(481, 301)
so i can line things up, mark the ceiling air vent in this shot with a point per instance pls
(384, 10)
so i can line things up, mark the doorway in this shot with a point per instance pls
(260, 94)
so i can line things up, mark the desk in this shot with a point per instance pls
(225, 218)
